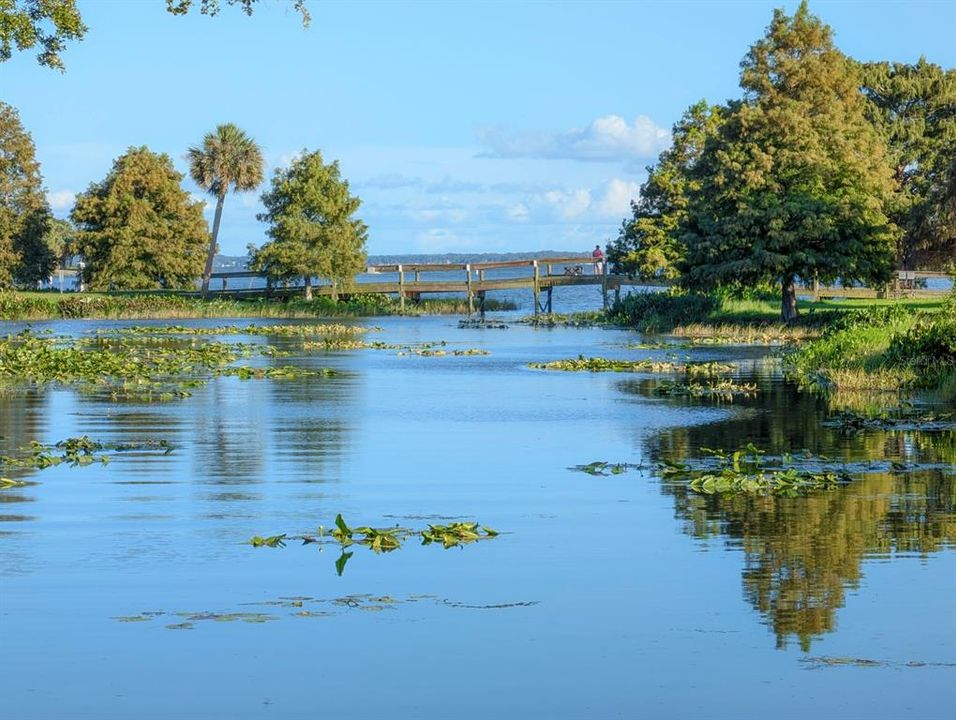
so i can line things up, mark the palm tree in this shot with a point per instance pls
(227, 157)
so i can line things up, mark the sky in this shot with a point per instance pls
(462, 126)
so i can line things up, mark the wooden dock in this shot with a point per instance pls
(541, 276)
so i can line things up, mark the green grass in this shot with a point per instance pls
(160, 306)
(695, 315)
(884, 347)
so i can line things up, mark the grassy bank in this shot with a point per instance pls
(749, 320)
(882, 348)
(143, 306)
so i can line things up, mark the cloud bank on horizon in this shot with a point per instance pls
(609, 138)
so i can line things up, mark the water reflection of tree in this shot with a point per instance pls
(801, 554)
(23, 418)
(313, 428)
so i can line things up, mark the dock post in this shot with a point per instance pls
(536, 288)
(401, 289)
(471, 294)
(224, 283)
(550, 289)
(604, 272)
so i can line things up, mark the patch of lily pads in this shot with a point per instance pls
(719, 389)
(599, 364)
(382, 540)
(74, 451)
(129, 368)
(748, 471)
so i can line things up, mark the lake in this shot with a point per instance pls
(131, 590)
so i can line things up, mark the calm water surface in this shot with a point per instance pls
(624, 596)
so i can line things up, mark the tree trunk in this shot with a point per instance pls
(212, 244)
(788, 306)
(308, 287)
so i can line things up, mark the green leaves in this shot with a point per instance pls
(309, 210)
(794, 182)
(383, 540)
(138, 228)
(273, 541)
(456, 534)
(745, 471)
(598, 364)
(74, 451)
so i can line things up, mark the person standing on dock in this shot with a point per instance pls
(598, 258)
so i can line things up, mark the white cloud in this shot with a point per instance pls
(607, 138)
(519, 212)
(61, 199)
(616, 201)
(569, 204)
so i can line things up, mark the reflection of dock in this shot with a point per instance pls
(540, 276)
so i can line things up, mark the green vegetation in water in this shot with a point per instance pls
(284, 372)
(584, 319)
(74, 451)
(158, 305)
(481, 323)
(719, 389)
(382, 540)
(437, 352)
(851, 422)
(132, 368)
(603, 468)
(272, 541)
(598, 364)
(747, 471)
(303, 330)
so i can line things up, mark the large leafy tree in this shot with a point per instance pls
(138, 228)
(795, 182)
(43, 24)
(309, 210)
(24, 213)
(649, 244)
(914, 106)
(227, 158)
(49, 24)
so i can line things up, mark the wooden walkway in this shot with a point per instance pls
(540, 276)
(411, 282)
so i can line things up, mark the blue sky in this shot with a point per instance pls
(488, 126)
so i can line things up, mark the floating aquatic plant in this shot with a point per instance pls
(598, 364)
(722, 389)
(604, 468)
(298, 330)
(747, 471)
(272, 541)
(455, 534)
(74, 451)
(382, 540)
